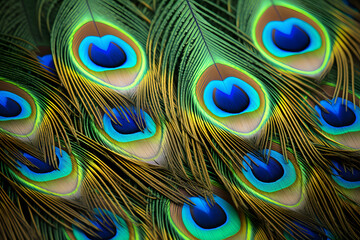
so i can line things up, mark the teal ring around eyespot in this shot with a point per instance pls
(103, 43)
(338, 130)
(230, 227)
(285, 181)
(225, 86)
(286, 26)
(147, 133)
(122, 233)
(64, 169)
(25, 106)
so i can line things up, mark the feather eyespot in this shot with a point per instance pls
(108, 55)
(237, 103)
(41, 166)
(43, 171)
(207, 220)
(107, 230)
(340, 120)
(109, 227)
(269, 172)
(210, 221)
(269, 177)
(125, 129)
(346, 177)
(204, 215)
(133, 133)
(44, 177)
(230, 97)
(19, 114)
(341, 116)
(292, 39)
(338, 117)
(272, 177)
(13, 107)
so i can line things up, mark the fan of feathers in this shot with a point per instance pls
(180, 119)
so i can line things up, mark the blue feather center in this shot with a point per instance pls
(113, 57)
(348, 174)
(48, 61)
(127, 124)
(270, 172)
(208, 217)
(9, 107)
(295, 41)
(311, 235)
(41, 166)
(210, 222)
(290, 37)
(107, 229)
(339, 116)
(231, 96)
(234, 102)
(13, 107)
(110, 227)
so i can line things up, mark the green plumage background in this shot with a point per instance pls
(89, 180)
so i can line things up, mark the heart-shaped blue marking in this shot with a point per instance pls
(235, 102)
(112, 57)
(296, 41)
(270, 172)
(106, 53)
(208, 217)
(290, 37)
(9, 107)
(339, 116)
(230, 97)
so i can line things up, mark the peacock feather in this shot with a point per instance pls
(179, 119)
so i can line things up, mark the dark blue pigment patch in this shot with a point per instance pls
(341, 118)
(107, 229)
(297, 41)
(128, 125)
(113, 57)
(41, 167)
(9, 107)
(311, 235)
(268, 173)
(348, 174)
(208, 217)
(48, 61)
(235, 102)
